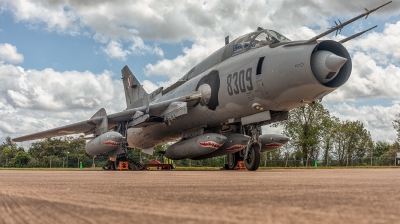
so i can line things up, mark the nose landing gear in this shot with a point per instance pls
(252, 161)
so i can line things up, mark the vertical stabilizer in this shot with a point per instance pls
(133, 89)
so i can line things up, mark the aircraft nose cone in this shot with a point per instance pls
(326, 65)
(220, 139)
(334, 62)
(284, 139)
(205, 91)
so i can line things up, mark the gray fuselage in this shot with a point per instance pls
(286, 81)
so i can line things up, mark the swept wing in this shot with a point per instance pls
(139, 117)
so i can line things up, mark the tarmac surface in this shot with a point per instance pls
(264, 196)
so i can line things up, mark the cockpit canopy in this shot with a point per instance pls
(258, 39)
(261, 37)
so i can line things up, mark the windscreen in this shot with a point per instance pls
(278, 36)
(262, 39)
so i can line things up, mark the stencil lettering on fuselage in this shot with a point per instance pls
(239, 82)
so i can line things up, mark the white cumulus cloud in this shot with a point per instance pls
(376, 118)
(9, 53)
(47, 98)
(36, 100)
(114, 50)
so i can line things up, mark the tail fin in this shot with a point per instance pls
(133, 89)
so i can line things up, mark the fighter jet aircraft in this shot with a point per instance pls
(218, 107)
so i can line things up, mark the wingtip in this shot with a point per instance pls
(15, 140)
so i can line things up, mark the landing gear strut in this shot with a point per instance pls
(233, 159)
(120, 154)
(252, 151)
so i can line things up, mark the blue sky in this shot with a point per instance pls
(45, 49)
(64, 41)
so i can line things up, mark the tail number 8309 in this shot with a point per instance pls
(239, 82)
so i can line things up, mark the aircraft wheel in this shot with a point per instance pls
(232, 160)
(253, 160)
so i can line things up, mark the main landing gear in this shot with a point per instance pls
(251, 154)
(233, 160)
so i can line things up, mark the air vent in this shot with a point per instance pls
(259, 65)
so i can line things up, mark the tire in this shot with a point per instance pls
(232, 160)
(253, 161)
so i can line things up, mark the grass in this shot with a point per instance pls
(53, 168)
(197, 168)
(332, 167)
(208, 168)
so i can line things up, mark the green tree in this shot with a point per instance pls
(8, 150)
(54, 151)
(305, 126)
(396, 126)
(5, 155)
(387, 158)
(327, 139)
(380, 148)
(20, 160)
(351, 142)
